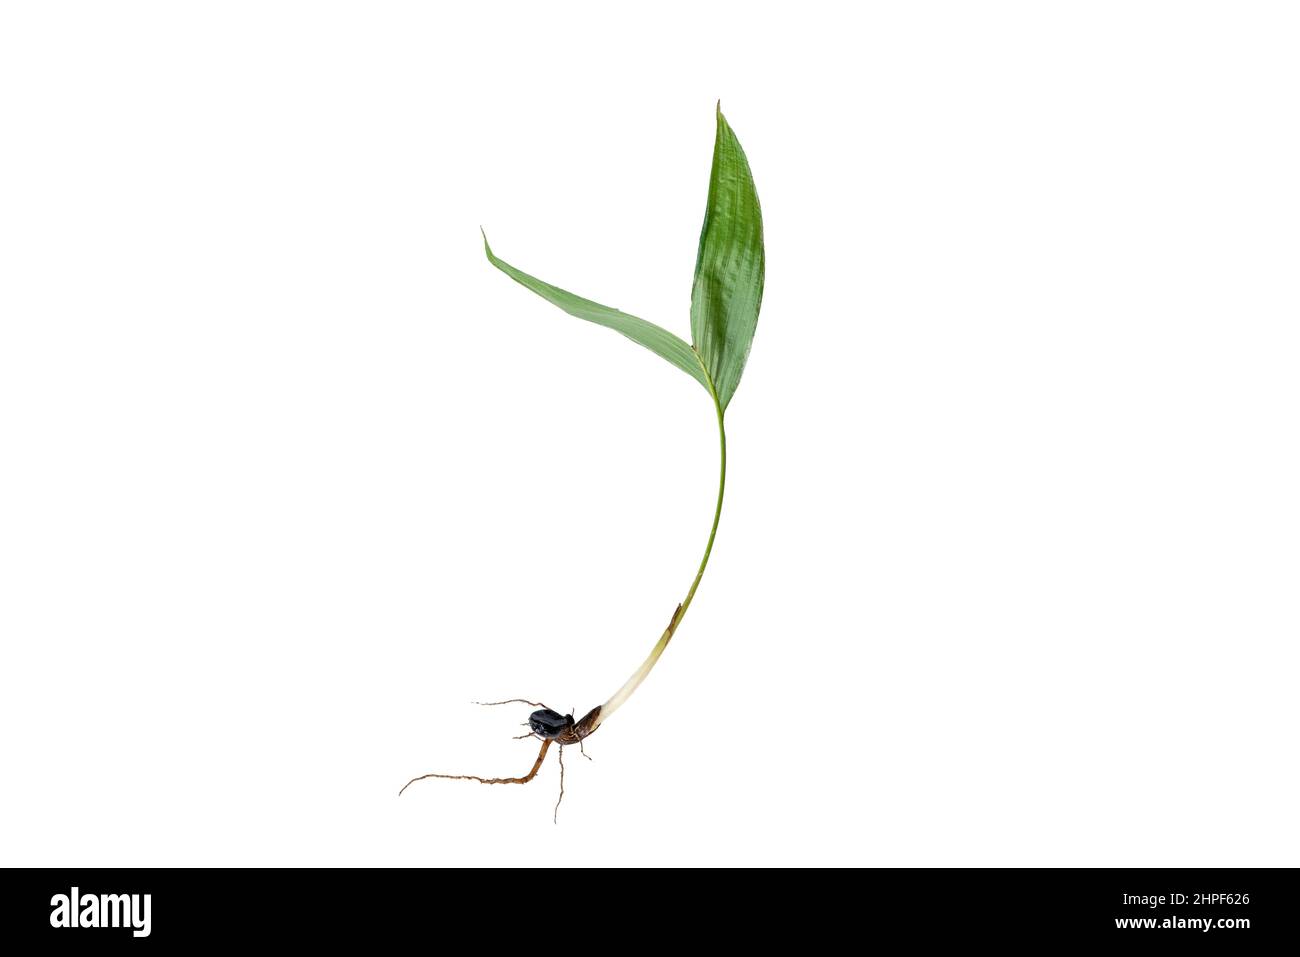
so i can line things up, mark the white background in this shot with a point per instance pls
(1007, 571)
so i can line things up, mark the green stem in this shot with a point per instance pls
(625, 692)
(717, 512)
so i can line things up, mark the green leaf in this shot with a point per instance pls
(729, 268)
(658, 340)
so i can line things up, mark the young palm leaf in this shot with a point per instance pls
(655, 338)
(725, 300)
(729, 267)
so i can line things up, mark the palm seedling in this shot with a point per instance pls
(725, 301)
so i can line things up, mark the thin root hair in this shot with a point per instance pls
(555, 816)
(493, 704)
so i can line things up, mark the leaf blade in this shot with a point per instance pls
(729, 268)
(658, 340)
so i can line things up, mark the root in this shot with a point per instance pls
(541, 756)
(555, 817)
(493, 704)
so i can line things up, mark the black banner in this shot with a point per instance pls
(543, 909)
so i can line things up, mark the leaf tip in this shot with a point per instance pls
(486, 248)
